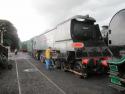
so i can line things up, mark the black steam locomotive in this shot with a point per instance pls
(78, 46)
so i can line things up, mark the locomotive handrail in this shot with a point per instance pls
(117, 61)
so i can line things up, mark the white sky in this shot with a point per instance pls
(33, 17)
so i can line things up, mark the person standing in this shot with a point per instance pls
(16, 51)
(48, 57)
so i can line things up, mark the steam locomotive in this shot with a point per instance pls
(77, 46)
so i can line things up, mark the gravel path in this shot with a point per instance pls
(29, 76)
(8, 81)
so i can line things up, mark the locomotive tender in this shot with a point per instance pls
(78, 46)
(116, 40)
(116, 34)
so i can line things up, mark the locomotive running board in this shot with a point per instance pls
(119, 88)
(75, 72)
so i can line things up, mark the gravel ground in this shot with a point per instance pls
(8, 81)
(72, 84)
(32, 82)
(33, 78)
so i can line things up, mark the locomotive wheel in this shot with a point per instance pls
(57, 64)
(63, 67)
(84, 72)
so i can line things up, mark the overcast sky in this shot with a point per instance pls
(33, 17)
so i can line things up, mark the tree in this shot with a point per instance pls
(10, 37)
